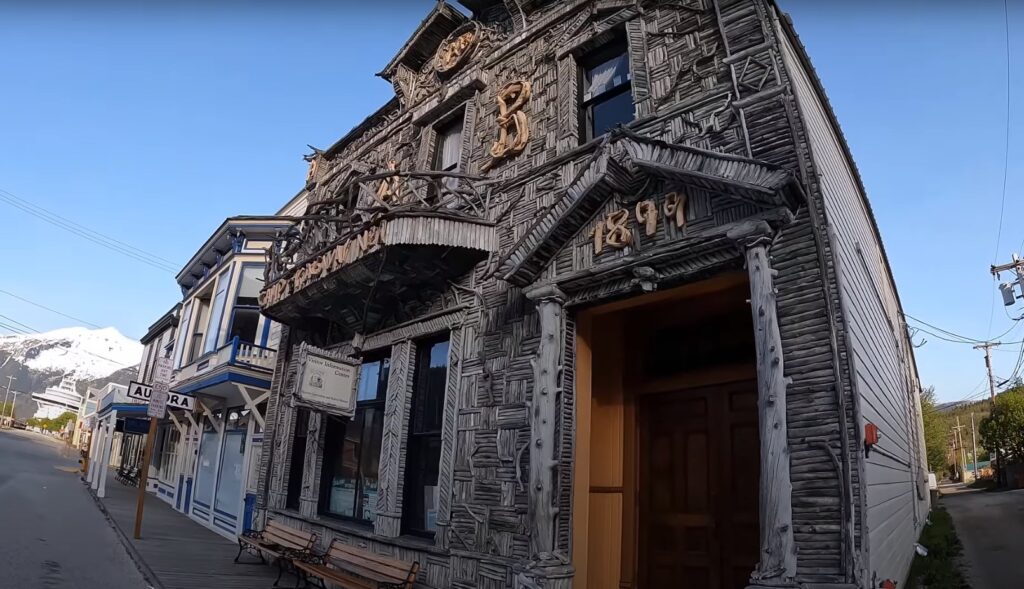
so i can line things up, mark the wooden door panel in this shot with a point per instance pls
(698, 488)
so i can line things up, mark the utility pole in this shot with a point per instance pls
(987, 346)
(974, 443)
(963, 451)
(9, 380)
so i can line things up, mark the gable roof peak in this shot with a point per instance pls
(435, 28)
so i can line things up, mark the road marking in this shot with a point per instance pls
(68, 468)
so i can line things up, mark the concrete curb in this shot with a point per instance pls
(133, 553)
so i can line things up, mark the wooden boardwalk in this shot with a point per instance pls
(180, 553)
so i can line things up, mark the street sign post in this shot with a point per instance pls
(156, 410)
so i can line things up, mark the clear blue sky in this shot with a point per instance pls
(153, 125)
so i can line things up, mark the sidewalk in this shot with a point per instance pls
(178, 553)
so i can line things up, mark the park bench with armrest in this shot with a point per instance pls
(357, 568)
(280, 542)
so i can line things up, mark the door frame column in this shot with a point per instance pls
(777, 563)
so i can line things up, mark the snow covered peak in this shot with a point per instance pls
(77, 352)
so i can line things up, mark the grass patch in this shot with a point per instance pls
(941, 568)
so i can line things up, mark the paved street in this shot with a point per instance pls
(52, 535)
(991, 528)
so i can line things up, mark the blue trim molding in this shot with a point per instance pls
(225, 377)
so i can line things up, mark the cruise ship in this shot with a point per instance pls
(56, 400)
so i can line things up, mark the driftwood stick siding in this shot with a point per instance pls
(778, 548)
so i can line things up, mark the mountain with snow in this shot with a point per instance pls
(76, 352)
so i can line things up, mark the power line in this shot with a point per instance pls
(31, 329)
(950, 334)
(72, 317)
(1006, 153)
(88, 234)
(12, 329)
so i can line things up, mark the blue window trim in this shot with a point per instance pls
(266, 332)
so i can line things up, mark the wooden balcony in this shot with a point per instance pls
(386, 240)
(235, 353)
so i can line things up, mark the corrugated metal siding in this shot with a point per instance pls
(872, 319)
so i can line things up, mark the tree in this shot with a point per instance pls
(936, 432)
(1004, 428)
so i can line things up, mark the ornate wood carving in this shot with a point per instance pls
(456, 49)
(675, 208)
(778, 549)
(613, 231)
(389, 189)
(514, 126)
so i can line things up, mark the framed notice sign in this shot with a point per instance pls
(327, 383)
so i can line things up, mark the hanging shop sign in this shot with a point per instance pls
(312, 271)
(327, 383)
(144, 392)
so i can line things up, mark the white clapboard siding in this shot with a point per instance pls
(877, 342)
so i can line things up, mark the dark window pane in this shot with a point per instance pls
(432, 374)
(373, 380)
(419, 511)
(348, 484)
(607, 113)
(297, 459)
(373, 432)
(244, 324)
(341, 464)
(420, 506)
(607, 74)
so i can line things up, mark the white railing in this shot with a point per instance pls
(234, 353)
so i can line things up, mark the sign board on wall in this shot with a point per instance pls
(326, 382)
(143, 392)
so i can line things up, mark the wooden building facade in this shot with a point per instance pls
(619, 310)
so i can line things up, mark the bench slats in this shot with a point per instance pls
(336, 576)
(359, 568)
(298, 536)
(386, 565)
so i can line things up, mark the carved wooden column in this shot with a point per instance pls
(393, 442)
(777, 565)
(547, 378)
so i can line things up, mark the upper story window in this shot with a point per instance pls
(245, 314)
(448, 150)
(423, 455)
(607, 90)
(348, 483)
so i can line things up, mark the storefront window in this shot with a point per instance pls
(352, 449)
(423, 455)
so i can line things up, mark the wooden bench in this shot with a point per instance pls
(355, 568)
(282, 543)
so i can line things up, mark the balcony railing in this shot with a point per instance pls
(234, 353)
(359, 204)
